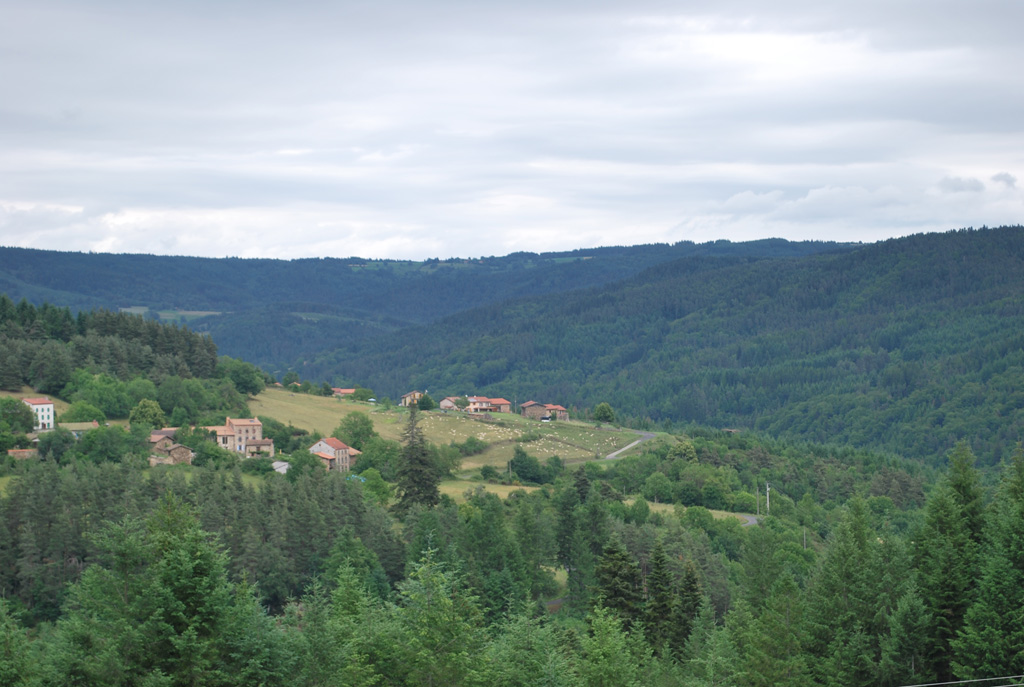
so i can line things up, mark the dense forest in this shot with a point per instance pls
(908, 345)
(116, 574)
(105, 364)
(859, 568)
(274, 312)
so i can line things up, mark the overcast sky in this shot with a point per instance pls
(437, 129)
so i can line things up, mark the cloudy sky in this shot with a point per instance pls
(446, 128)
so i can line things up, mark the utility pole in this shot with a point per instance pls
(757, 497)
(768, 497)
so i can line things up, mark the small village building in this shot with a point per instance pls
(449, 403)
(23, 453)
(42, 408)
(164, 450)
(411, 398)
(336, 455)
(244, 436)
(342, 392)
(482, 404)
(543, 411)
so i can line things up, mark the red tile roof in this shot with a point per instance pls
(37, 401)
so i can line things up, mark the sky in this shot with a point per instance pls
(450, 128)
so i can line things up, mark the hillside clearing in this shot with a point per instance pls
(572, 441)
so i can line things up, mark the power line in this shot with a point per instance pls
(967, 682)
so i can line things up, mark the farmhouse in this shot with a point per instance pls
(477, 404)
(245, 436)
(335, 454)
(481, 404)
(42, 408)
(342, 392)
(164, 450)
(540, 411)
(411, 398)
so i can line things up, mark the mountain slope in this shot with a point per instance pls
(907, 345)
(272, 312)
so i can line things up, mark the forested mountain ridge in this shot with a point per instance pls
(272, 312)
(907, 345)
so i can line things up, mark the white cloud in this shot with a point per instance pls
(404, 130)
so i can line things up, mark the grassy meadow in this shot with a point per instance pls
(572, 441)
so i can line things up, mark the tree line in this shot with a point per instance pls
(113, 573)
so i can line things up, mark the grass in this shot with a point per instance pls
(572, 441)
(458, 488)
(4, 483)
(314, 413)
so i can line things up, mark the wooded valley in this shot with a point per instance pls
(872, 393)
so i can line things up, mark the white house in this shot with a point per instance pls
(43, 410)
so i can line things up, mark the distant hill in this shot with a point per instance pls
(906, 345)
(277, 312)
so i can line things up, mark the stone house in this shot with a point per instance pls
(335, 454)
(244, 436)
(542, 411)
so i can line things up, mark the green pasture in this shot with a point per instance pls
(571, 441)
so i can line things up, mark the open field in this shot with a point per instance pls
(314, 413)
(457, 488)
(572, 441)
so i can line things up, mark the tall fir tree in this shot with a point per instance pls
(946, 557)
(659, 610)
(417, 478)
(991, 639)
(619, 586)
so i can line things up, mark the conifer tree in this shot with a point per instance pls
(619, 583)
(417, 478)
(993, 631)
(659, 610)
(946, 557)
(687, 605)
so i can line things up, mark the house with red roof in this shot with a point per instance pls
(245, 436)
(482, 404)
(543, 411)
(42, 408)
(335, 454)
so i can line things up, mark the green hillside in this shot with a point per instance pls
(274, 312)
(906, 345)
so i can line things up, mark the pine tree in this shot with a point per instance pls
(946, 558)
(687, 605)
(660, 608)
(619, 583)
(773, 652)
(993, 631)
(417, 478)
